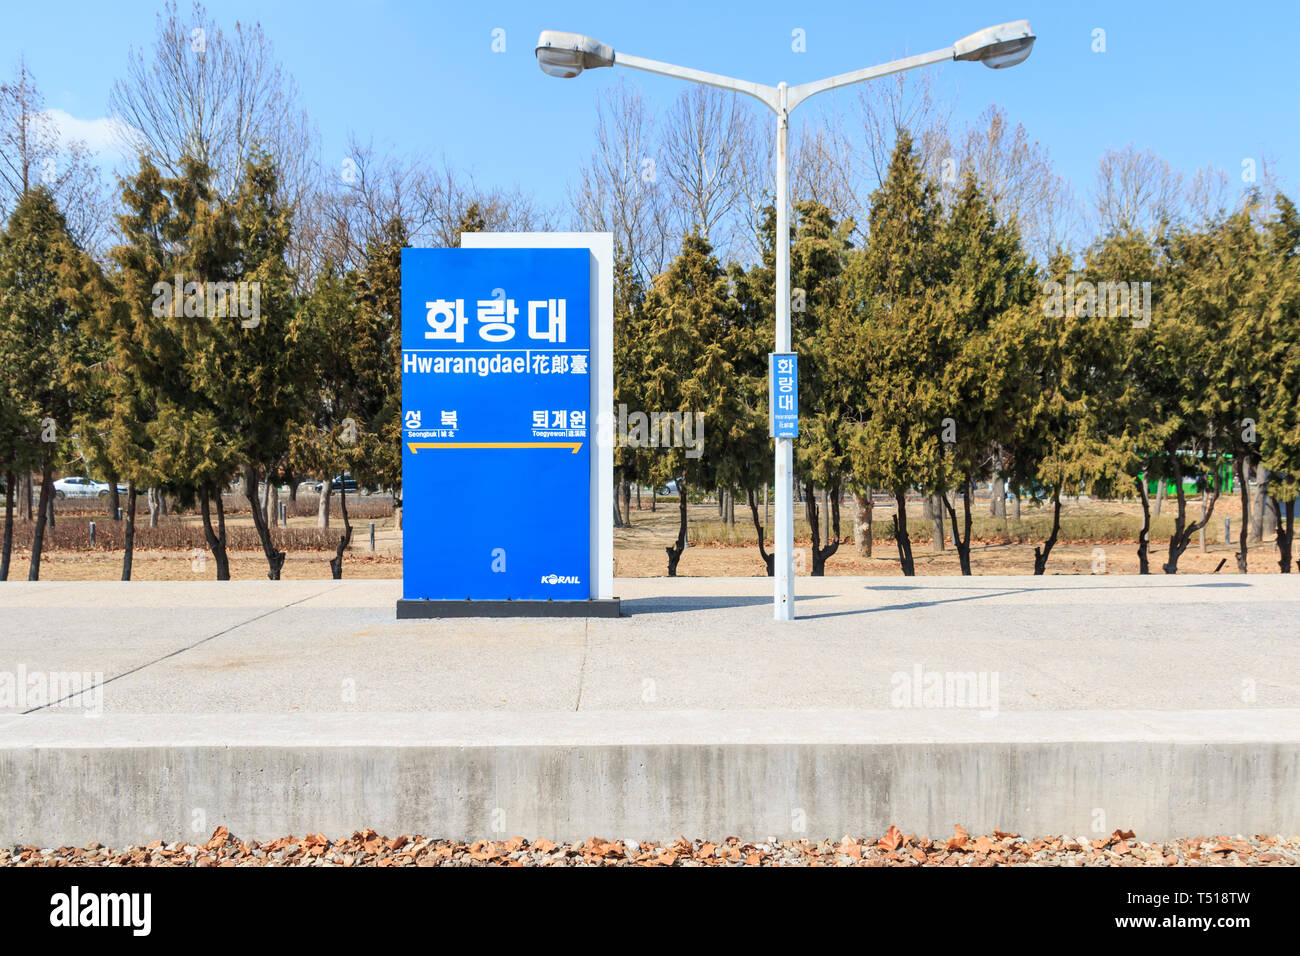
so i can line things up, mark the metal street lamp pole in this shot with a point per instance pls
(567, 54)
(783, 533)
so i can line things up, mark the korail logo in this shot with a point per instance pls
(561, 579)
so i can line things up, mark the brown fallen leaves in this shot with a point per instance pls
(892, 848)
(892, 839)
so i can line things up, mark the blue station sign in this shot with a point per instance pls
(783, 389)
(497, 424)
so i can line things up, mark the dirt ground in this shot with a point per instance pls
(1105, 541)
(993, 559)
(1108, 530)
(185, 566)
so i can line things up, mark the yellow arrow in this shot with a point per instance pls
(415, 446)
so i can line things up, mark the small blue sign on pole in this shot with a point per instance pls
(783, 387)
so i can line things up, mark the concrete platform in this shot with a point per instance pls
(1170, 706)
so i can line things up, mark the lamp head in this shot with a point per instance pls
(997, 47)
(567, 54)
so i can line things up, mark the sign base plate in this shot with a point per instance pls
(602, 607)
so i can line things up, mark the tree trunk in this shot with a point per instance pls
(1160, 496)
(899, 533)
(618, 518)
(274, 558)
(114, 500)
(1180, 522)
(862, 526)
(153, 495)
(216, 539)
(345, 539)
(272, 502)
(832, 496)
(1015, 505)
(323, 506)
(1204, 548)
(638, 495)
(811, 513)
(768, 560)
(812, 510)
(42, 516)
(10, 490)
(675, 551)
(1243, 469)
(1260, 505)
(293, 491)
(826, 508)
(627, 503)
(1183, 532)
(25, 494)
(654, 499)
(932, 508)
(221, 518)
(1041, 554)
(1144, 536)
(128, 532)
(964, 548)
(961, 544)
(998, 497)
(49, 508)
(1285, 525)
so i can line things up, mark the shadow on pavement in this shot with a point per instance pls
(913, 605)
(674, 604)
(671, 605)
(967, 587)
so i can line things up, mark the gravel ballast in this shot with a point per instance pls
(367, 848)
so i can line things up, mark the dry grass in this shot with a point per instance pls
(1090, 530)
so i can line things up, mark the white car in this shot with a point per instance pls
(83, 488)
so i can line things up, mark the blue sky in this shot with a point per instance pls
(1201, 83)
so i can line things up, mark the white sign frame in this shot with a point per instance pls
(601, 246)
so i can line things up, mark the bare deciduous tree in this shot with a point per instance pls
(904, 101)
(619, 188)
(368, 189)
(703, 148)
(354, 203)
(215, 95)
(1135, 190)
(457, 203)
(822, 168)
(1017, 175)
(757, 175)
(32, 153)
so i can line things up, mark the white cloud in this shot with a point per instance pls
(106, 137)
